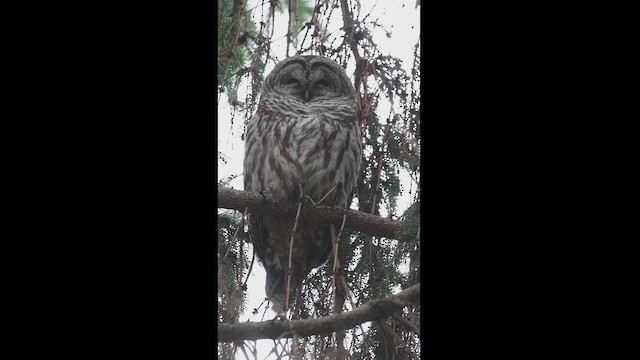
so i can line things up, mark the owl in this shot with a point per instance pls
(304, 141)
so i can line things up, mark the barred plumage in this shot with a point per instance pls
(305, 134)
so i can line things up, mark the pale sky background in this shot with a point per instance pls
(402, 20)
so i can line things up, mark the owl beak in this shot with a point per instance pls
(307, 95)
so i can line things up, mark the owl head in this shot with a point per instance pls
(308, 79)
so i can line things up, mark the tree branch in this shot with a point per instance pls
(356, 220)
(275, 329)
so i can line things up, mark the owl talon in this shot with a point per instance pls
(266, 196)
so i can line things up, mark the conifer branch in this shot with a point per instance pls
(275, 329)
(356, 220)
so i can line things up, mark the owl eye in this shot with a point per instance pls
(291, 82)
(323, 83)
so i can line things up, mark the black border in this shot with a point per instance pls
(128, 115)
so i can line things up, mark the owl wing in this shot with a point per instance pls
(257, 233)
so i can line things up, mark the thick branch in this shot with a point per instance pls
(356, 220)
(376, 310)
(349, 29)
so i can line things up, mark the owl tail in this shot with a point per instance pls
(275, 289)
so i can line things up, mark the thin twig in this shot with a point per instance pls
(409, 325)
(253, 258)
(288, 275)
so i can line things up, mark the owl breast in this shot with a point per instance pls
(316, 152)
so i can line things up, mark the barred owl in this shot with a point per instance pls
(303, 141)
